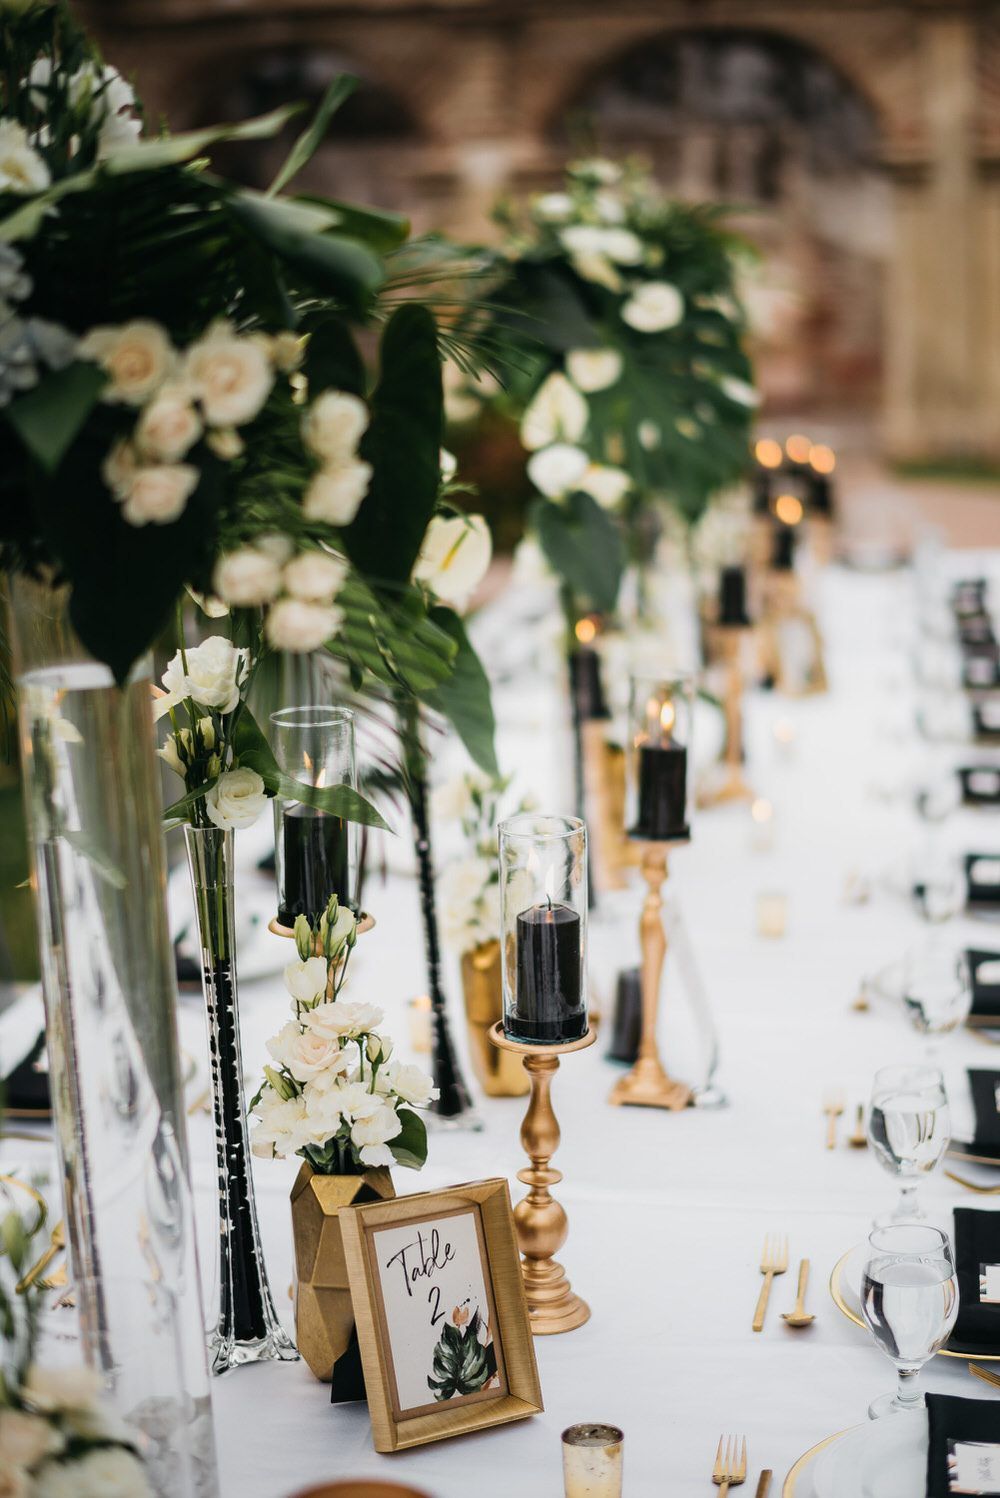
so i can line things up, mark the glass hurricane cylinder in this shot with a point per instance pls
(316, 852)
(661, 712)
(92, 792)
(247, 1329)
(543, 913)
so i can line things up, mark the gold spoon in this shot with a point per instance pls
(798, 1315)
(858, 1139)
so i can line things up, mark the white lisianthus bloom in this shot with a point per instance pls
(52, 1389)
(22, 169)
(300, 627)
(413, 1085)
(214, 674)
(557, 412)
(316, 576)
(334, 425)
(226, 443)
(606, 484)
(246, 577)
(449, 465)
(102, 1472)
(119, 468)
(454, 556)
(557, 470)
(554, 207)
(137, 357)
(340, 1018)
(158, 494)
(236, 799)
(306, 981)
(620, 246)
(231, 376)
(335, 494)
(370, 1135)
(179, 750)
(654, 307)
(594, 368)
(355, 1099)
(283, 1126)
(306, 1055)
(169, 426)
(740, 391)
(649, 435)
(591, 266)
(25, 1439)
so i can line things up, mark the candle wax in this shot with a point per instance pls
(586, 685)
(733, 596)
(550, 1007)
(662, 792)
(315, 862)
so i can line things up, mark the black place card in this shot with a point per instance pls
(26, 1088)
(963, 1446)
(982, 878)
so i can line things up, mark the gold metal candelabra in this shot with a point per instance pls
(728, 783)
(541, 1222)
(647, 1085)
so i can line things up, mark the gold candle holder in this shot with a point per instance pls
(728, 783)
(541, 1222)
(647, 1085)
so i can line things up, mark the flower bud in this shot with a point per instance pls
(303, 938)
(379, 1049)
(280, 1084)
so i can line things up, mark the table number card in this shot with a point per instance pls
(973, 1467)
(986, 716)
(989, 1284)
(983, 875)
(981, 785)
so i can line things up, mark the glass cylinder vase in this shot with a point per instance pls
(543, 914)
(316, 852)
(247, 1329)
(92, 793)
(661, 711)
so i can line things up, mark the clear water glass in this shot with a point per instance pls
(937, 988)
(909, 1300)
(909, 1129)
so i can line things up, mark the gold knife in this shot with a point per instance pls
(764, 1485)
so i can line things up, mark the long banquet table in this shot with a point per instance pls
(667, 1212)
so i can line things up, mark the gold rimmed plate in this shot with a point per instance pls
(794, 1486)
(838, 1293)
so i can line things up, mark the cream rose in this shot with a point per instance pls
(22, 169)
(236, 799)
(340, 1018)
(335, 494)
(157, 495)
(214, 674)
(247, 577)
(137, 357)
(169, 426)
(231, 376)
(594, 368)
(305, 1054)
(556, 413)
(557, 470)
(306, 981)
(296, 626)
(316, 576)
(654, 307)
(454, 556)
(334, 425)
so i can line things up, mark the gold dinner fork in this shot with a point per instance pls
(972, 1185)
(986, 1374)
(773, 1260)
(730, 1464)
(833, 1107)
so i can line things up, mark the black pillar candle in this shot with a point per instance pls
(586, 685)
(783, 551)
(550, 1005)
(627, 1029)
(820, 494)
(762, 491)
(733, 596)
(315, 862)
(662, 792)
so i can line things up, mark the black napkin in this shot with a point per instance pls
(980, 785)
(986, 720)
(985, 994)
(977, 1242)
(26, 1089)
(986, 1141)
(982, 878)
(981, 667)
(950, 1419)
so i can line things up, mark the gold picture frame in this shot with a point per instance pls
(399, 1249)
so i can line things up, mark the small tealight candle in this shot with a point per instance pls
(592, 1461)
(772, 914)
(420, 1024)
(784, 736)
(762, 822)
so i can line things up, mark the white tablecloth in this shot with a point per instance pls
(668, 1211)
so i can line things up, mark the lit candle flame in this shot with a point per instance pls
(585, 631)
(798, 447)
(822, 458)
(788, 509)
(667, 718)
(768, 453)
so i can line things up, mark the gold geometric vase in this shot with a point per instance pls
(500, 1073)
(324, 1320)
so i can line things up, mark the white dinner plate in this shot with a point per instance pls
(884, 1458)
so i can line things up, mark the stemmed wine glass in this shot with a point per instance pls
(937, 988)
(909, 1129)
(909, 1300)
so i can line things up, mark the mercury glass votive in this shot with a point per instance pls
(660, 721)
(593, 1457)
(316, 851)
(543, 915)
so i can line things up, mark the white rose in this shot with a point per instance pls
(554, 207)
(103, 1472)
(335, 494)
(454, 556)
(557, 412)
(247, 577)
(51, 1389)
(300, 627)
(306, 981)
(606, 484)
(137, 357)
(369, 1136)
(283, 1126)
(236, 799)
(215, 672)
(334, 425)
(159, 494)
(226, 443)
(557, 470)
(594, 368)
(316, 576)
(654, 307)
(330, 1021)
(739, 391)
(22, 169)
(306, 1054)
(230, 375)
(169, 426)
(25, 1439)
(413, 1085)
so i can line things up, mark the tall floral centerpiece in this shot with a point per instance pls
(336, 1097)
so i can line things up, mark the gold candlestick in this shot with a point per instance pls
(728, 784)
(647, 1085)
(541, 1222)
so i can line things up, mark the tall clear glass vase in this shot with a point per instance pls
(247, 1329)
(92, 795)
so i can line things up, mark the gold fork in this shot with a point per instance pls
(973, 1185)
(986, 1375)
(730, 1464)
(833, 1107)
(773, 1260)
